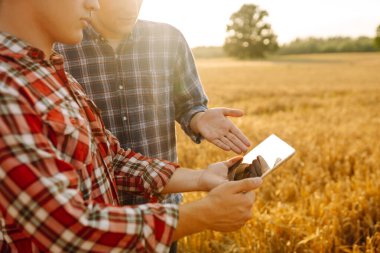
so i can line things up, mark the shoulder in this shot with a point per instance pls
(12, 81)
(13, 72)
(146, 27)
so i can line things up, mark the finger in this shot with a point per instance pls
(248, 172)
(239, 172)
(234, 161)
(239, 134)
(235, 140)
(232, 164)
(221, 145)
(232, 112)
(257, 168)
(263, 164)
(245, 185)
(232, 146)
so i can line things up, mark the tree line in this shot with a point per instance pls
(329, 45)
(250, 36)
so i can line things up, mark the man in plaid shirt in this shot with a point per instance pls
(62, 173)
(143, 78)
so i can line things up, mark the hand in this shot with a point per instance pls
(216, 128)
(226, 208)
(239, 171)
(231, 204)
(216, 174)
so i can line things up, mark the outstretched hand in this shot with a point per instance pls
(216, 128)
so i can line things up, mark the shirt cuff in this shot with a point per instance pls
(159, 222)
(197, 138)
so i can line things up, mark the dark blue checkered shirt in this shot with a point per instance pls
(142, 88)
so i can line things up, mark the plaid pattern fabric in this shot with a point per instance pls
(62, 174)
(144, 87)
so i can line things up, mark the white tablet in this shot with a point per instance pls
(274, 151)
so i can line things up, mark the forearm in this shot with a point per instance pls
(184, 180)
(192, 219)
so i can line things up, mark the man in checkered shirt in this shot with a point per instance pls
(142, 76)
(62, 174)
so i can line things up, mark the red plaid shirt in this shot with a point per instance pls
(62, 172)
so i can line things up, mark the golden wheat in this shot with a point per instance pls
(327, 197)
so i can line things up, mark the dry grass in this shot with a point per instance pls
(327, 197)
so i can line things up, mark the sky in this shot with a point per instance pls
(203, 22)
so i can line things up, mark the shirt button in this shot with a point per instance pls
(124, 118)
(121, 87)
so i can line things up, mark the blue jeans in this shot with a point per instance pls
(173, 248)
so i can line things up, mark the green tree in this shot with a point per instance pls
(248, 36)
(377, 38)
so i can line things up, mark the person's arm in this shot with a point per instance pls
(41, 190)
(189, 96)
(186, 180)
(138, 178)
(136, 174)
(192, 112)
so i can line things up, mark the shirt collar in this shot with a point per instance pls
(17, 48)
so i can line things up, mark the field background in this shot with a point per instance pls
(327, 197)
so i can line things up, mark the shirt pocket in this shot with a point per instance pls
(68, 132)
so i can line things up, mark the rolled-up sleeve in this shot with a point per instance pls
(137, 174)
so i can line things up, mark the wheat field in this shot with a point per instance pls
(327, 197)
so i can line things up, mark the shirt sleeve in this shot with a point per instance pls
(189, 97)
(137, 174)
(40, 196)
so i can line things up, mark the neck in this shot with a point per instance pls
(17, 20)
(114, 43)
(113, 37)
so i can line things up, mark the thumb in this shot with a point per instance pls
(232, 112)
(233, 160)
(245, 185)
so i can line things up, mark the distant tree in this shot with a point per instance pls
(377, 38)
(248, 36)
